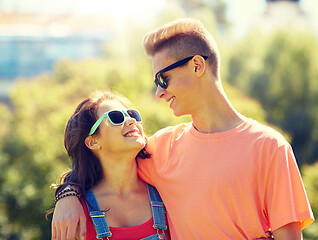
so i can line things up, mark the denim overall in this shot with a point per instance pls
(158, 213)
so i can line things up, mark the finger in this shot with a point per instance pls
(62, 233)
(58, 235)
(82, 227)
(53, 233)
(71, 231)
(56, 231)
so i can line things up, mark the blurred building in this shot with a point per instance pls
(30, 44)
(282, 14)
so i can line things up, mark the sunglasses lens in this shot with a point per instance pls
(160, 80)
(134, 114)
(116, 117)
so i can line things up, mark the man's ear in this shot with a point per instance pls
(199, 65)
(92, 143)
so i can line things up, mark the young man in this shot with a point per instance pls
(222, 176)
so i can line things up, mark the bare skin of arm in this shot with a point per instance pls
(291, 231)
(66, 220)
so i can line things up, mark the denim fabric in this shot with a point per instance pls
(98, 217)
(159, 236)
(158, 209)
(158, 213)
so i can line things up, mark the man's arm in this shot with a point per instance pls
(68, 216)
(291, 231)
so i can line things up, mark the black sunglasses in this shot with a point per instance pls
(116, 118)
(161, 80)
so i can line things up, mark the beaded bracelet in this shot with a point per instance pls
(67, 189)
(68, 193)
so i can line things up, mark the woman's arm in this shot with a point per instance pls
(68, 216)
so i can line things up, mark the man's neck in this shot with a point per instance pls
(215, 112)
(212, 124)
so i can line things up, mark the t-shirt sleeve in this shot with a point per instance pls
(285, 199)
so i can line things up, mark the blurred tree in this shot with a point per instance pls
(211, 13)
(5, 131)
(279, 71)
(33, 151)
(217, 8)
(310, 177)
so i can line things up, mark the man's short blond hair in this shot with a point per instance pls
(183, 38)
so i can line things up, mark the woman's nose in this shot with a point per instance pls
(130, 121)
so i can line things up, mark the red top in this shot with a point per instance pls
(130, 233)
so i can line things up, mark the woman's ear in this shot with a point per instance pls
(92, 143)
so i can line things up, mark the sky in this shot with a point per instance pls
(240, 12)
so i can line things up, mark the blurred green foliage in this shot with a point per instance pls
(280, 71)
(271, 79)
(310, 178)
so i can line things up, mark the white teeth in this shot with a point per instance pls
(132, 134)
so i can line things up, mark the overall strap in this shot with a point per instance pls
(98, 217)
(157, 207)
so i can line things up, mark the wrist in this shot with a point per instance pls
(66, 192)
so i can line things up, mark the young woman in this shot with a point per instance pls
(103, 137)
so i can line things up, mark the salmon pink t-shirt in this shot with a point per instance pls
(236, 184)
